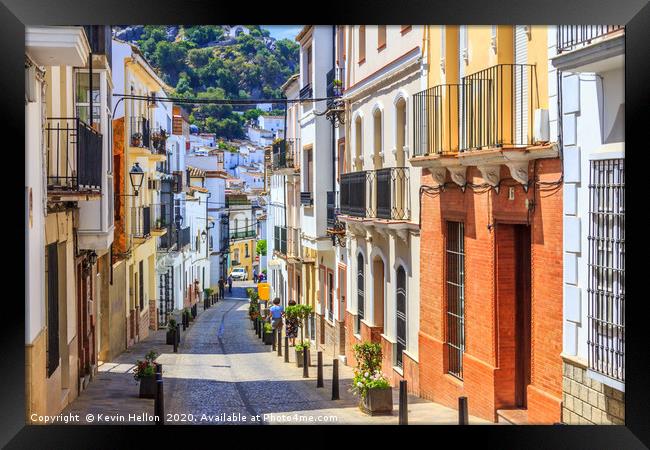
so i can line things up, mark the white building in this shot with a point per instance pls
(379, 195)
(591, 89)
(271, 123)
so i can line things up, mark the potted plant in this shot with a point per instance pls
(145, 373)
(268, 334)
(369, 383)
(136, 139)
(171, 325)
(303, 346)
(159, 139)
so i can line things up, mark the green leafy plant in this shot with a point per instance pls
(260, 248)
(367, 374)
(146, 368)
(171, 324)
(268, 328)
(302, 346)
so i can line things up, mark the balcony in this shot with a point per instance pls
(286, 156)
(381, 195)
(183, 238)
(335, 81)
(140, 222)
(491, 118)
(331, 208)
(74, 159)
(306, 92)
(590, 48)
(307, 198)
(244, 234)
(160, 218)
(139, 135)
(100, 40)
(280, 240)
(159, 145)
(437, 121)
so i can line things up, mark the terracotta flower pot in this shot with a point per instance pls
(378, 401)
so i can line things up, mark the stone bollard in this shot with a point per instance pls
(319, 371)
(335, 379)
(403, 403)
(463, 413)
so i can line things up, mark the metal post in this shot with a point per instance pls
(335, 379)
(184, 321)
(279, 341)
(175, 338)
(159, 402)
(463, 414)
(403, 404)
(305, 365)
(286, 349)
(319, 372)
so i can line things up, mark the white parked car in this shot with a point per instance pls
(239, 273)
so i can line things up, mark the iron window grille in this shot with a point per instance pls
(400, 296)
(360, 293)
(606, 262)
(140, 221)
(455, 280)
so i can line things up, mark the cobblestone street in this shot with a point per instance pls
(224, 374)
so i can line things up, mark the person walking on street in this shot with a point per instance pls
(255, 276)
(230, 284)
(222, 288)
(292, 326)
(276, 311)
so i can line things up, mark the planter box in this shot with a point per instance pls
(268, 338)
(300, 358)
(148, 387)
(169, 338)
(377, 402)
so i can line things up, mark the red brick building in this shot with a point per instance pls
(491, 266)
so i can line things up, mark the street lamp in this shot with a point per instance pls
(203, 235)
(136, 175)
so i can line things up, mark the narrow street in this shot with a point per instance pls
(224, 374)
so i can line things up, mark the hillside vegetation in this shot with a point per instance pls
(207, 62)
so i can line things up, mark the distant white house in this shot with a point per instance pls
(271, 123)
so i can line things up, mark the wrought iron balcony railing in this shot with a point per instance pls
(285, 154)
(161, 215)
(331, 208)
(436, 114)
(491, 108)
(184, 238)
(139, 132)
(306, 92)
(140, 221)
(74, 155)
(243, 234)
(306, 198)
(377, 194)
(572, 37)
(497, 109)
(159, 142)
(335, 82)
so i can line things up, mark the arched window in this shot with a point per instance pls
(358, 151)
(400, 297)
(360, 293)
(377, 138)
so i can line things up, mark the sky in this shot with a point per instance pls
(283, 31)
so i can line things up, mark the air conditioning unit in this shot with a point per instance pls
(541, 128)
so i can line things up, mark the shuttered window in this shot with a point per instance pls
(400, 297)
(360, 292)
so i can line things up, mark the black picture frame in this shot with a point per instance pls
(14, 14)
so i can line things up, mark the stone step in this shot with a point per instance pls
(512, 416)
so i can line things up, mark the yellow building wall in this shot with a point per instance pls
(244, 261)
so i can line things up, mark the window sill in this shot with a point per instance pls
(399, 371)
(453, 379)
(381, 47)
(361, 61)
(406, 29)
